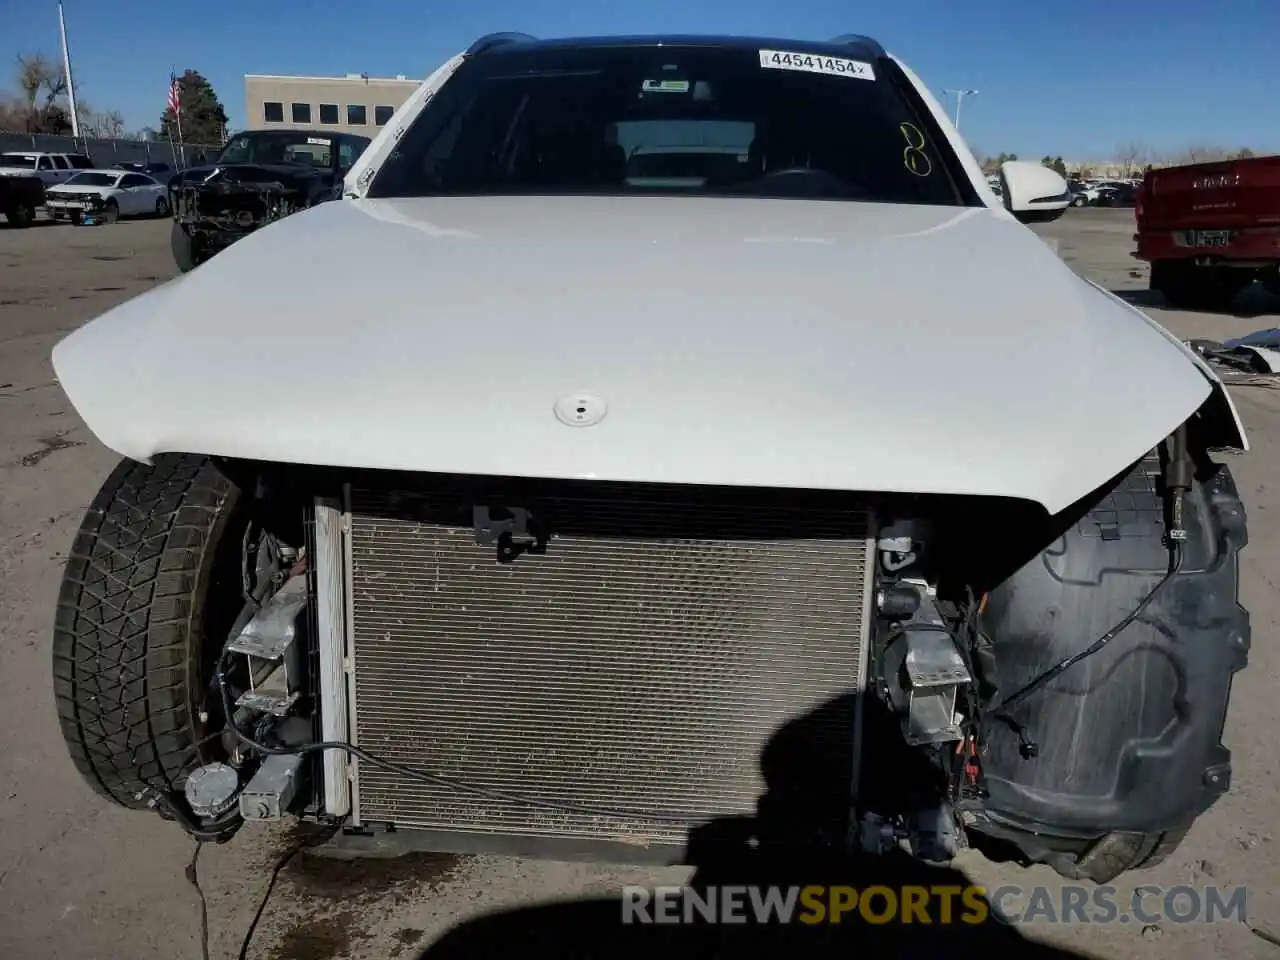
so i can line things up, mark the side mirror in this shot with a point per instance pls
(1032, 192)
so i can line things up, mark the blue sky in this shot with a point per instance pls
(1070, 79)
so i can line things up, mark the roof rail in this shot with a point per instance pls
(491, 40)
(858, 40)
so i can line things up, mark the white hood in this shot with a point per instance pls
(82, 188)
(752, 342)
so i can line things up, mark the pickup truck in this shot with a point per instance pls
(52, 168)
(1210, 229)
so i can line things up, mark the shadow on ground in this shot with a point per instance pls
(788, 843)
(594, 928)
(6, 225)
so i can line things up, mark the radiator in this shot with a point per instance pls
(639, 668)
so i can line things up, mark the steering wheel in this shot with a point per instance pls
(827, 183)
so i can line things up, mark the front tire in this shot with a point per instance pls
(22, 215)
(186, 251)
(142, 613)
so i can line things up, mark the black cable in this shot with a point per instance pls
(434, 779)
(1175, 564)
(194, 879)
(266, 896)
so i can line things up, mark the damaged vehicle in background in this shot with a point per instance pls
(260, 176)
(109, 195)
(655, 505)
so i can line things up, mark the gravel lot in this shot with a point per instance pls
(80, 879)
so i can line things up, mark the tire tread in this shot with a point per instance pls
(127, 630)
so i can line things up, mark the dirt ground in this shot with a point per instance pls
(80, 879)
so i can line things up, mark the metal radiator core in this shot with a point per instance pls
(641, 666)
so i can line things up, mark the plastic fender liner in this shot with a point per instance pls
(1130, 740)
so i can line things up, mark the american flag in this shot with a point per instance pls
(175, 94)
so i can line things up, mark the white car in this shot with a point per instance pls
(526, 501)
(108, 193)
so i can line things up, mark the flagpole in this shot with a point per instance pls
(175, 99)
(66, 67)
(177, 116)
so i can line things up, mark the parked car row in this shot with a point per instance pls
(53, 168)
(1103, 193)
(70, 186)
(258, 177)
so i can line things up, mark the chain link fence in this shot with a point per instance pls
(105, 152)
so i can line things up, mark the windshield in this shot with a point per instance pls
(680, 119)
(282, 146)
(93, 180)
(20, 160)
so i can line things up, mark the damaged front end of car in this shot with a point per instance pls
(212, 209)
(770, 601)
(651, 674)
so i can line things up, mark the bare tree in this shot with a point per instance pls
(107, 124)
(1130, 156)
(1202, 153)
(41, 85)
(13, 114)
(38, 74)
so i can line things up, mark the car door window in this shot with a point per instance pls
(60, 162)
(134, 180)
(44, 163)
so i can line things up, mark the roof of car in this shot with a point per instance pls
(843, 46)
(305, 131)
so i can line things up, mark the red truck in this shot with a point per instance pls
(1210, 229)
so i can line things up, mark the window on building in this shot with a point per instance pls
(301, 113)
(273, 111)
(356, 115)
(328, 113)
(382, 114)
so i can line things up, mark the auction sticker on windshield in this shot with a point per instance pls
(812, 63)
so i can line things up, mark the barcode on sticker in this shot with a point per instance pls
(813, 63)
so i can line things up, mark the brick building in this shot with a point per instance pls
(356, 103)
